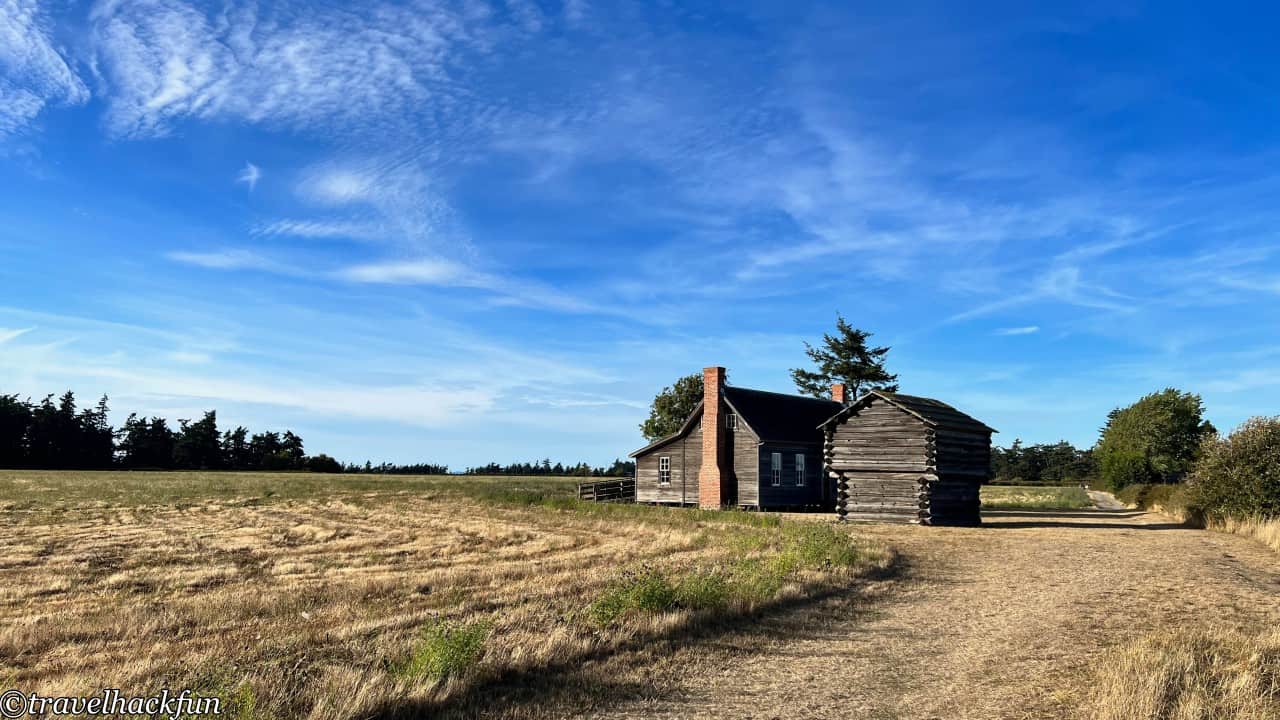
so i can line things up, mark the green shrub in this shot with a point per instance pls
(1239, 475)
(1123, 468)
(644, 590)
(768, 559)
(445, 649)
(754, 580)
(1153, 440)
(1173, 500)
(821, 546)
(703, 591)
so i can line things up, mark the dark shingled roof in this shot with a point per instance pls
(932, 412)
(774, 417)
(780, 418)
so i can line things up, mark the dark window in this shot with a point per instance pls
(800, 469)
(777, 469)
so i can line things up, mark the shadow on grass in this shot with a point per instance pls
(1082, 513)
(1016, 524)
(592, 680)
(1104, 519)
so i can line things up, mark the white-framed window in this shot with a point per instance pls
(800, 469)
(664, 470)
(776, 463)
(731, 421)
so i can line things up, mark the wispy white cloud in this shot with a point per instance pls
(440, 272)
(425, 271)
(303, 67)
(1024, 330)
(7, 334)
(323, 229)
(250, 175)
(33, 73)
(392, 199)
(232, 259)
(1062, 284)
(331, 185)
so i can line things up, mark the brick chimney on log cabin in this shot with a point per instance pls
(840, 393)
(711, 476)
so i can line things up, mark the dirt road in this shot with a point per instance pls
(1001, 621)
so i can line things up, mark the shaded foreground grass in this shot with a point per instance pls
(1031, 497)
(420, 594)
(1190, 675)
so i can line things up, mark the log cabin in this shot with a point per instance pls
(740, 448)
(901, 458)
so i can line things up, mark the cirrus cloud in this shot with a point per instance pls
(33, 73)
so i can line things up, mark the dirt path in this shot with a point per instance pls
(1001, 621)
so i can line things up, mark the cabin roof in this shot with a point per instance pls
(777, 417)
(773, 417)
(934, 413)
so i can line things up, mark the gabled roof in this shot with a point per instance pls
(934, 413)
(775, 417)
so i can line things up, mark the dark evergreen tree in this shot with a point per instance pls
(235, 449)
(146, 443)
(291, 448)
(199, 446)
(845, 358)
(94, 446)
(15, 421)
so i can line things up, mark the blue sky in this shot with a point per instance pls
(493, 230)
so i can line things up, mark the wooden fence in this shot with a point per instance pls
(615, 490)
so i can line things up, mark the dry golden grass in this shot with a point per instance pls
(1266, 531)
(1034, 497)
(1190, 675)
(317, 607)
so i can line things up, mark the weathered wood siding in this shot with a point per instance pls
(891, 466)
(686, 460)
(788, 494)
(745, 466)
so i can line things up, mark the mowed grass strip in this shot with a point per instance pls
(385, 596)
(1031, 497)
(52, 489)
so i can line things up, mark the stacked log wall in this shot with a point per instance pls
(890, 466)
(878, 458)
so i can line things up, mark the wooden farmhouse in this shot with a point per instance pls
(899, 458)
(740, 448)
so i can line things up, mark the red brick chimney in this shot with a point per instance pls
(711, 474)
(840, 393)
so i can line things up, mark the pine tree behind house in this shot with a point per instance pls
(845, 358)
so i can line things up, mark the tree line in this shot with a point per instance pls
(619, 468)
(56, 434)
(1059, 463)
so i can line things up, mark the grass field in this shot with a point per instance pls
(1028, 497)
(336, 596)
